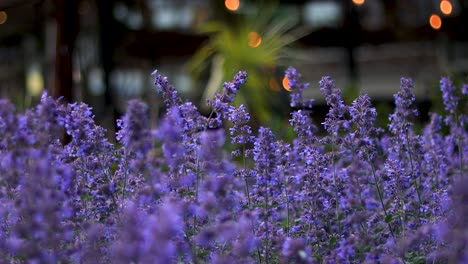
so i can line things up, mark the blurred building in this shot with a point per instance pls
(103, 52)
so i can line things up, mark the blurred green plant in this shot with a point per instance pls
(255, 44)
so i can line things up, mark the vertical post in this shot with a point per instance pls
(107, 39)
(66, 18)
(352, 30)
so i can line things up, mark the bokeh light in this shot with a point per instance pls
(359, 2)
(446, 7)
(286, 84)
(435, 22)
(3, 17)
(254, 39)
(232, 5)
(273, 84)
(34, 81)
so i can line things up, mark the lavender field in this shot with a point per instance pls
(174, 194)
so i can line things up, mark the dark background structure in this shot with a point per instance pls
(103, 52)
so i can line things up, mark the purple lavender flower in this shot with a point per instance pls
(8, 124)
(211, 154)
(303, 125)
(264, 150)
(240, 132)
(453, 232)
(297, 251)
(404, 144)
(143, 238)
(192, 120)
(334, 121)
(39, 222)
(435, 157)
(86, 137)
(448, 95)
(363, 114)
(404, 99)
(230, 241)
(297, 89)
(173, 195)
(135, 136)
(170, 134)
(168, 91)
(90, 153)
(464, 89)
(134, 133)
(180, 135)
(221, 102)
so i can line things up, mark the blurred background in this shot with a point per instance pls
(102, 52)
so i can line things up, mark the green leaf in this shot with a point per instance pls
(333, 242)
(388, 219)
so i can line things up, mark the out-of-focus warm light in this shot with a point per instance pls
(3, 17)
(359, 2)
(274, 86)
(232, 5)
(286, 84)
(34, 81)
(254, 39)
(435, 21)
(446, 7)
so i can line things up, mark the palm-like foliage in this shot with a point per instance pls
(232, 47)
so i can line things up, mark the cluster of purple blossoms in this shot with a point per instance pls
(173, 194)
(221, 102)
(297, 89)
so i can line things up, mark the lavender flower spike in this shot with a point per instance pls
(134, 133)
(221, 101)
(448, 95)
(399, 120)
(297, 89)
(168, 91)
(229, 92)
(465, 89)
(335, 117)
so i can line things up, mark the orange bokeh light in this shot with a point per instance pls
(446, 7)
(286, 84)
(359, 2)
(232, 5)
(274, 86)
(254, 39)
(3, 17)
(435, 22)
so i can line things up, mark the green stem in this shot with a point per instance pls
(337, 209)
(267, 251)
(460, 147)
(381, 197)
(416, 185)
(249, 202)
(247, 191)
(287, 213)
(114, 200)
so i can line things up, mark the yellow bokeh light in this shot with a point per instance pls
(3, 17)
(359, 2)
(435, 22)
(34, 82)
(446, 7)
(254, 39)
(232, 5)
(286, 84)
